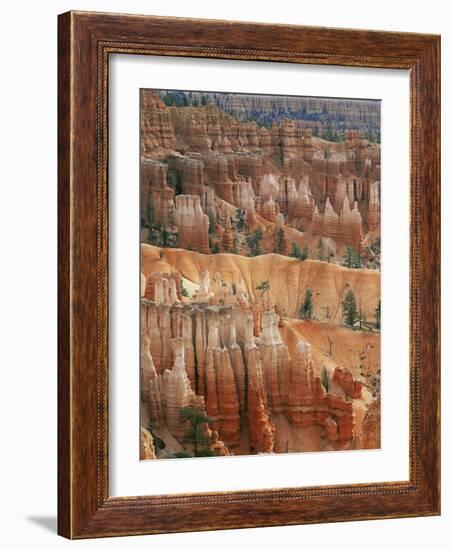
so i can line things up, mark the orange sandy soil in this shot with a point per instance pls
(358, 351)
(288, 277)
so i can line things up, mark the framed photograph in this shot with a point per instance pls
(248, 275)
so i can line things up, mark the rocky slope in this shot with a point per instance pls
(288, 278)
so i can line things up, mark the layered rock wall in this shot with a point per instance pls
(344, 228)
(156, 127)
(192, 224)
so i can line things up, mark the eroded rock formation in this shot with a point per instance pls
(147, 450)
(192, 224)
(244, 217)
(326, 189)
(156, 127)
(233, 364)
(345, 228)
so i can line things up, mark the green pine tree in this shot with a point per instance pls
(159, 444)
(196, 435)
(264, 287)
(280, 243)
(296, 252)
(253, 242)
(352, 258)
(183, 290)
(349, 311)
(378, 315)
(235, 245)
(239, 220)
(306, 308)
(320, 251)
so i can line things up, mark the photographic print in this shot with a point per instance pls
(260, 274)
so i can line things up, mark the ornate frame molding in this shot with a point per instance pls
(85, 42)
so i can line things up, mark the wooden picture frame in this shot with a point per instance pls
(85, 42)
